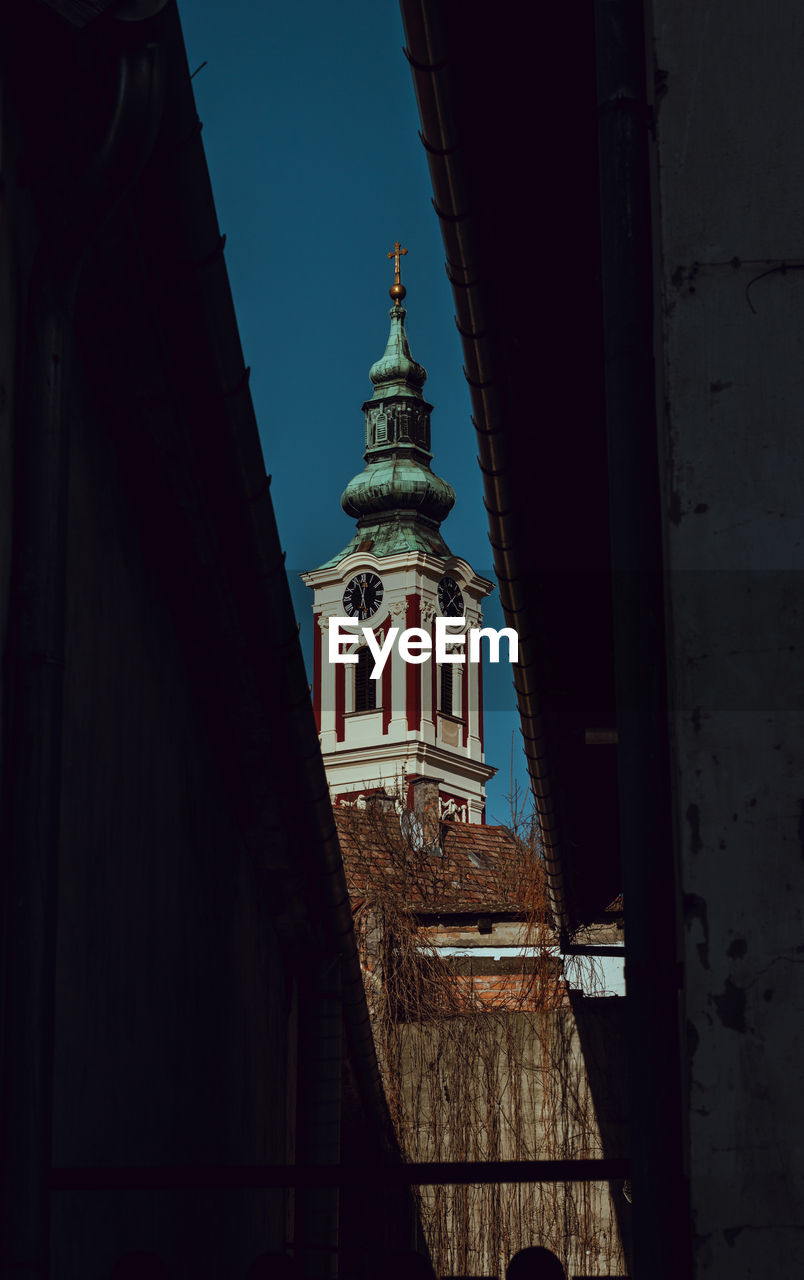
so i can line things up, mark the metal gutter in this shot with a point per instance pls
(429, 63)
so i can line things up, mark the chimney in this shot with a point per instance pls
(425, 806)
(379, 799)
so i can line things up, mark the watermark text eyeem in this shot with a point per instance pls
(416, 645)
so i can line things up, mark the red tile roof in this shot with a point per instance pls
(475, 868)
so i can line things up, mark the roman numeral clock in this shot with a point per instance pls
(363, 596)
(418, 720)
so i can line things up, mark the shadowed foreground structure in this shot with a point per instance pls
(182, 997)
(619, 187)
(484, 1048)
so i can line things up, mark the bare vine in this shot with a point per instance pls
(474, 1071)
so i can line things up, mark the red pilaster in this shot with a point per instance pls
(413, 673)
(386, 685)
(387, 694)
(340, 702)
(465, 699)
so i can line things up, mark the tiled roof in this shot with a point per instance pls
(477, 868)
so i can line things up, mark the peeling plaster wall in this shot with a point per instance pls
(730, 170)
(540, 1085)
(173, 996)
(174, 1042)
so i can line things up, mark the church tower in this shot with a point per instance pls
(418, 721)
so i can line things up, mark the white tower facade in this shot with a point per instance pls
(419, 719)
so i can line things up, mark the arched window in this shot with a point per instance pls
(446, 688)
(365, 687)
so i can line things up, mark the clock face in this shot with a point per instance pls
(450, 600)
(363, 595)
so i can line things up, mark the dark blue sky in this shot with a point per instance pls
(310, 130)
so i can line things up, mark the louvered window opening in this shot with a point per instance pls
(446, 688)
(365, 687)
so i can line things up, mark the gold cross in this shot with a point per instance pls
(396, 254)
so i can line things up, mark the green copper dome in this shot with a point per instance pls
(397, 478)
(398, 484)
(396, 372)
(393, 535)
(397, 500)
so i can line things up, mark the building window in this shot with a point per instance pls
(365, 687)
(446, 688)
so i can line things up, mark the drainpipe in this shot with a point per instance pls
(653, 1006)
(35, 677)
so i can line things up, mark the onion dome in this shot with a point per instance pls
(398, 484)
(396, 372)
(398, 500)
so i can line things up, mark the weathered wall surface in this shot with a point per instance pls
(172, 996)
(17, 245)
(201, 916)
(730, 117)
(173, 1042)
(507, 1085)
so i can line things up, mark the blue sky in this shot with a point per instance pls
(310, 130)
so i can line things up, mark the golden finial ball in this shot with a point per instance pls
(397, 292)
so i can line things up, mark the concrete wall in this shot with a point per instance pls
(730, 170)
(17, 245)
(192, 913)
(173, 999)
(504, 1085)
(173, 1039)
